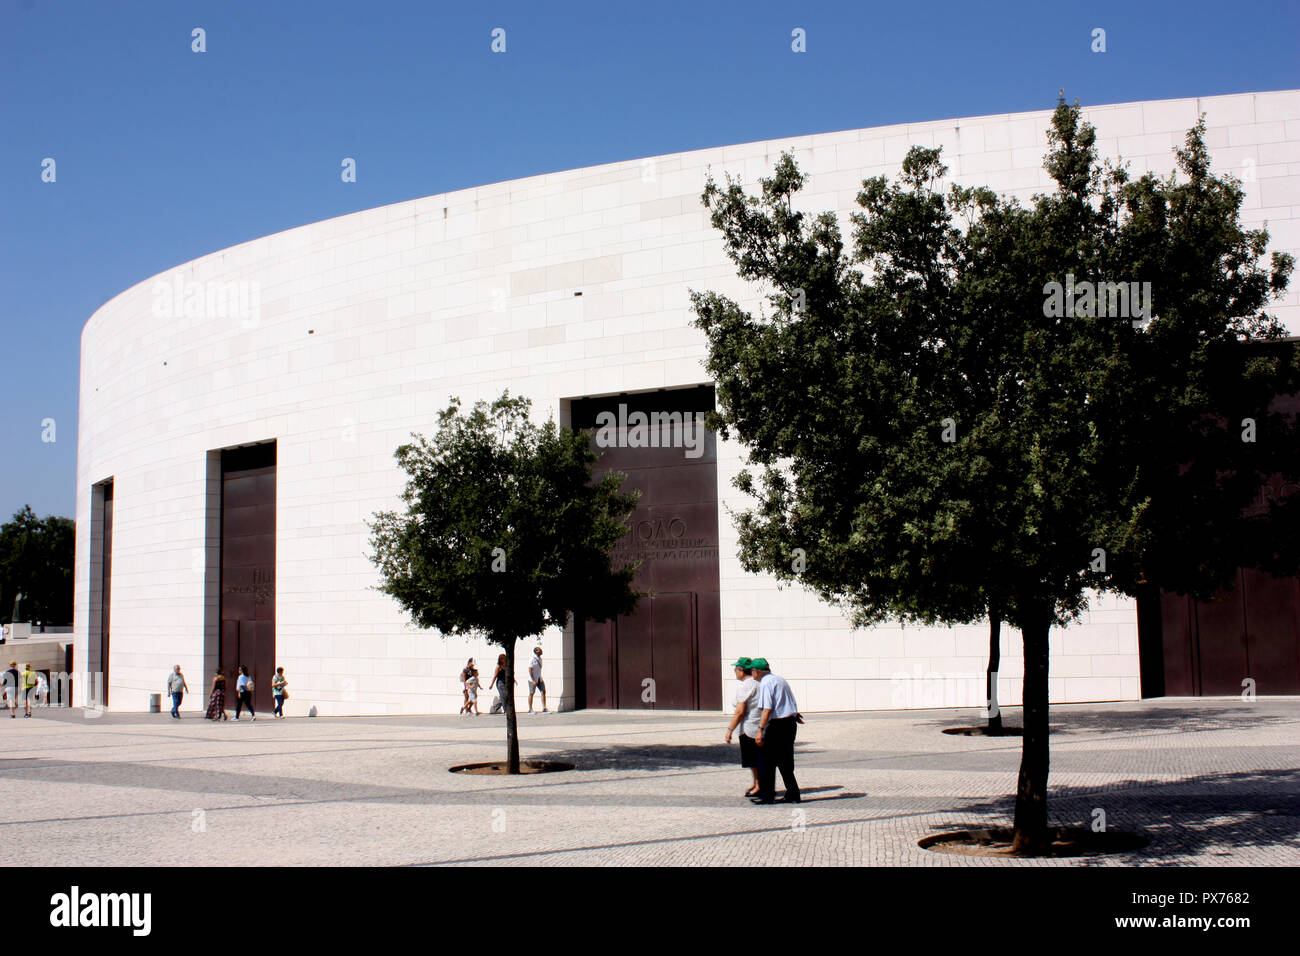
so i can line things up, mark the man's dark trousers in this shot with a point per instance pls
(176, 702)
(776, 753)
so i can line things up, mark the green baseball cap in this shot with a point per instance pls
(743, 663)
(759, 664)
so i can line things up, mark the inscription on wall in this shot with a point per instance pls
(661, 539)
(262, 587)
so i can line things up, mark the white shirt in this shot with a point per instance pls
(775, 695)
(747, 693)
(535, 669)
(241, 683)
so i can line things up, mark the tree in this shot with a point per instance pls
(504, 532)
(946, 441)
(36, 561)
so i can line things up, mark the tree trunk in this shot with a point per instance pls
(512, 725)
(1031, 790)
(991, 676)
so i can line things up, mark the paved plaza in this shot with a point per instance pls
(1211, 781)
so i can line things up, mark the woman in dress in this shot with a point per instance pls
(217, 702)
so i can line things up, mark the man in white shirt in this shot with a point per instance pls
(535, 682)
(775, 737)
(177, 687)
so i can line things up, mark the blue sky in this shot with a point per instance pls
(164, 154)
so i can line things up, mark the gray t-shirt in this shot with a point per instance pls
(748, 693)
(175, 683)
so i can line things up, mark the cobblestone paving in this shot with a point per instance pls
(1210, 781)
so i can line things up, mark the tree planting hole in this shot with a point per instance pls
(1063, 841)
(525, 766)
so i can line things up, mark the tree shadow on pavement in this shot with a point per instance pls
(656, 757)
(1218, 815)
(1242, 716)
(1067, 721)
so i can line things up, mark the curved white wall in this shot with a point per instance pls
(471, 292)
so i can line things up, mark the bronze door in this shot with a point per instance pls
(672, 651)
(1221, 643)
(106, 588)
(597, 660)
(633, 657)
(1211, 648)
(651, 659)
(1272, 632)
(666, 654)
(248, 491)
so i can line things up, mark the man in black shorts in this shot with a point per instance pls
(535, 682)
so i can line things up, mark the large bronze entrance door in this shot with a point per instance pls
(667, 653)
(1246, 638)
(106, 592)
(248, 569)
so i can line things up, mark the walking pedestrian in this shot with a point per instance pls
(775, 738)
(177, 687)
(746, 716)
(29, 688)
(535, 682)
(498, 683)
(278, 692)
(472, 687)
(464, 689)
(217, 702)
(244, 692)
(11, 688)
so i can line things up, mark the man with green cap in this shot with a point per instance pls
(746, 714)
(775, 737)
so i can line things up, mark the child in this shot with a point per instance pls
(471, 688)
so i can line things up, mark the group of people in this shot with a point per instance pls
(500, 682)
(768, 717)
(244, 686)
(22, 686)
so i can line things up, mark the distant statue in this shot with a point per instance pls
(18, 600)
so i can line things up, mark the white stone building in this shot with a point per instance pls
(338, 339)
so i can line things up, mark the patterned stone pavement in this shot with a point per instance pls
(1210, 781)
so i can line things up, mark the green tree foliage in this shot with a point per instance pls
(944, 442)
(36, 560)
(504, 532)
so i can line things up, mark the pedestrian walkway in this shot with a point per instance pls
(1211, 781)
